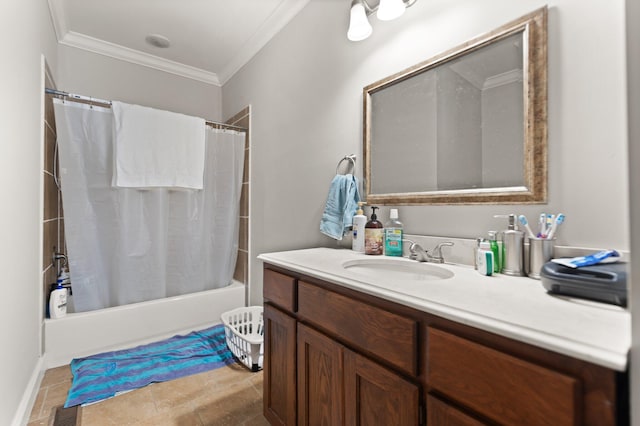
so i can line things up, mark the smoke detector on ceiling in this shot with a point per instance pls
(157, 40)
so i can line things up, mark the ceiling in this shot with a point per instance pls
(501, 62)
(210, 39)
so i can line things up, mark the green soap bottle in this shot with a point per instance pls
(497, 251)
(393, 235)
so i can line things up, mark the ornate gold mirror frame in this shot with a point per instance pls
(533, 28)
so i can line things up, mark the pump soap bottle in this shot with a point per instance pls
(496, 248)
(359, 222)
(513, 243)
(373, 235)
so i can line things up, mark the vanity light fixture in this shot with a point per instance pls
(390, 9)
(359, 26)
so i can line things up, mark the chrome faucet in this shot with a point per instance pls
(421, 255)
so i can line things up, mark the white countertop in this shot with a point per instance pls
(514, 307)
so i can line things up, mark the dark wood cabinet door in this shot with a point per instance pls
(440, 413)
(279, 367)
(377, 396)
(320, 391)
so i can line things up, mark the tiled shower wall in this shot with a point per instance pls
(53, 218)
(243, 119)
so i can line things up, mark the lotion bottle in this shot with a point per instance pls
(359, 222)
(373, 235)
(58, 301)
(393, 235)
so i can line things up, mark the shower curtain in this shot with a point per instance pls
(130, 245)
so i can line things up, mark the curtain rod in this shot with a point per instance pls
(73, 96)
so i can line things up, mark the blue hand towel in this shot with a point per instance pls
(341, 205)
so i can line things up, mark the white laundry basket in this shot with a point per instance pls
(244, 331)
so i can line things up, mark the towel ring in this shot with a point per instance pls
(350, 158)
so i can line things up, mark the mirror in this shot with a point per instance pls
(466, 127)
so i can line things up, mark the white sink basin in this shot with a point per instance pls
(397, 269)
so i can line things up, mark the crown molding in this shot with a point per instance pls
(58, 19)
(122, 53)
(276, 21)
(502, 79)
(279, 18)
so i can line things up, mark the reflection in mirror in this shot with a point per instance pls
(466, 127)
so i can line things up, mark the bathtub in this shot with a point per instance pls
(87, 333)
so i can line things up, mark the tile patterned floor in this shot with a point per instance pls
(228, 396)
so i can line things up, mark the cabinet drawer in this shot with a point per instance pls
(279, 289)
(499, 386)
(389, 336)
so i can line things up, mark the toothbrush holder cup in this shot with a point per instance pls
(540, 252)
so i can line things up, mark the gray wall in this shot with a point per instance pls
(305, 88)
(26, 34)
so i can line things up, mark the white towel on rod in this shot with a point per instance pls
(155, 148)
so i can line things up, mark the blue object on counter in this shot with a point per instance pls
(604, 256)
(603, 283)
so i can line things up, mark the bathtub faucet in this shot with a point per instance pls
(57, 257)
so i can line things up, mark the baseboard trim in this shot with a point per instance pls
(23, 412)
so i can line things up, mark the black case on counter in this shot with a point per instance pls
(605, 282)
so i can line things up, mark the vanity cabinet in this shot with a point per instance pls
(330, 374)
(356, 363)
(337, 356)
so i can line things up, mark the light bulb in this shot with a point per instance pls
(390, 9)
(359, 26)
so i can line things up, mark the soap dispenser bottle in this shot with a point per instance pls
(513, 244)
(359, 222)
(373, 235)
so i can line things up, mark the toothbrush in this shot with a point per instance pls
(523, 220)
(542, 225)
(550, 219)
(554, 227)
